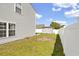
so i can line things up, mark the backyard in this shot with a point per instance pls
(39, 45)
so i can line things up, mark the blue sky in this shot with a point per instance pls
(63, 13)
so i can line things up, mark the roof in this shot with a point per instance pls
(40, 26)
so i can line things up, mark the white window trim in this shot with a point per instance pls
(11, 29)
(7, 28)
(7, 32)
(19, 7)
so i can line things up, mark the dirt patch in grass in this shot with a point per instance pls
(44, 38)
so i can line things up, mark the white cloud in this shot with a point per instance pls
(72, 13)
(58, 21)
(61, 22)
(62, 5)
(38, 15)
(65, 5)
(50, 19)
(56, 9)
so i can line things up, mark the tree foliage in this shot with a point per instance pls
(56, 25)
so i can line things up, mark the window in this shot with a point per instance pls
(18, 8)
(7, 29)
(2, 29)
(11, 29)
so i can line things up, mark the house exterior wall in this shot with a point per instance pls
(70, 39)
(25, 23)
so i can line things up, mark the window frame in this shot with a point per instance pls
(18, 6)
(11, 29)
(3, 29)
(7, 29)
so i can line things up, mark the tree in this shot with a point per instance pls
(58, 48)
(56, 25)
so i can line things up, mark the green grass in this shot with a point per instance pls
(29, 47)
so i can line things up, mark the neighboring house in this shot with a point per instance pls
(70, 39)
(43, 29)
(17, 21)
(47, 30)
(39, 28)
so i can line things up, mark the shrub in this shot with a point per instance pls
(58, 48)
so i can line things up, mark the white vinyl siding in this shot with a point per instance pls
(24, 22)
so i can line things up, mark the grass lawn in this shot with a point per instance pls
(29, 46)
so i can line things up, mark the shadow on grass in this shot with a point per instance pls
(58, 48)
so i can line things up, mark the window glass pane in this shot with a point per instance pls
(2, 29)
(11, 26)
(2, 25)
(2, 33)
(11, 29)
(18, 10)
(11, 32)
